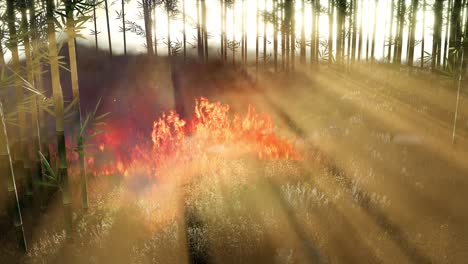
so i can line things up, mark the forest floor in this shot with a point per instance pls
(381, 182)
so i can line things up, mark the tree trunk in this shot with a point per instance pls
(293, 34)
(109, 39)
(330, 30)
(354, 36)
(76, 97)
(221, 9)
(95, 28)
(184, 30)
(199, 32)
(303, 40)
(275, 34)
(447, 29)
(360, 33)
(168, 13)
(256, 38)
(412, 40)
(59, 119)
(437, 34)
(374, 31)
(28, 166)
(341, 10)
(205, 31)
(147, 20)
(6, 169)
(18, 150)
(390, 33)
(264, 36)
(455, 35)
(423, 34)
(124, 30)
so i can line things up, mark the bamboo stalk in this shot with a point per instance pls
(59, 119)
(6, 164)
(76, 97)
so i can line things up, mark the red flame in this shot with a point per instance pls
(213, 130)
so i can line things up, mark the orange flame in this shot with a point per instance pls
(212, 130)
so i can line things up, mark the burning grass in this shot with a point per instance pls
(213, 130)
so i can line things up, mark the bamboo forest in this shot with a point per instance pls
(233, 131)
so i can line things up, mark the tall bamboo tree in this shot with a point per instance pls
(59, 118)
(447, 29)
(28, 164)
(124, 30)
(374, 29)
(275, 34)
(423, 39)
(390, 33)
(71, 34)
(437, 34)
(109, 39)
(412, 40)
(264, 34)
(20, 147)
(6, 169)
(147, 6)
(455, 34)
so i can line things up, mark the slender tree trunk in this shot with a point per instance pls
(205, 31)
(330, 30)
(28, 168)
(95, 28)
(412, 40)
(19, 147)
(367, 44)
(264, 35)
(436, 37)
(147, 20)
(124, 30)
(257, 37)
(390, 33)
(184, 30)
(312, 33)
(455, 34)
(461, 73)
(341, 11)
(168, 13)
(6, 169)
(234, 44)
(360, 32)
(283, 37)
(225, 31)
(199, 32)
(423, 34)
(155, 37)
(447, 29)
(303, 40)
(221, 9)
(59, 118)
(354, 36)
(76, 97)
(293, 34)
(109, 39)
(275, 34)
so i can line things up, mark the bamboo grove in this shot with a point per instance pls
(30, 42)
(348, 40)
(28, 39)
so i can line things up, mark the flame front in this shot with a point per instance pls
(213, 131)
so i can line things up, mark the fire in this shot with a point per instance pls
(213, 130)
